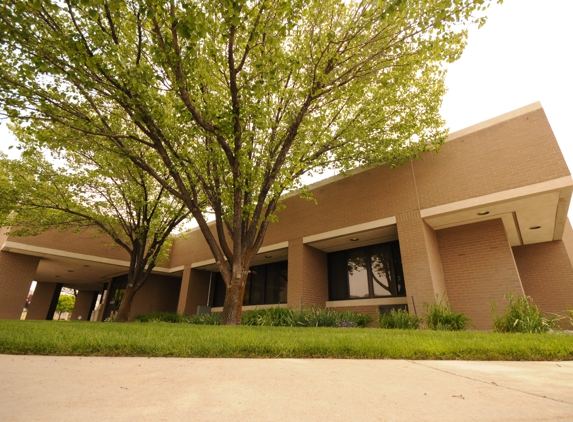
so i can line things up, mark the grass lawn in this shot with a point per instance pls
(186, 340)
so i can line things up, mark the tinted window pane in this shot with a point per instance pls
(257, 278)
(337, 276)
(398, 270)
(276, 284)
(219, 290)
(381, 264)
(357, 274)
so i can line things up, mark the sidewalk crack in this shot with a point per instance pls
(491, 383)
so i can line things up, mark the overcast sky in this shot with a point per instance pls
(522, 55)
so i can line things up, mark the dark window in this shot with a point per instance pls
(370, 271)
(266, 285)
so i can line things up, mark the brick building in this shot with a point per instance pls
(485, 217)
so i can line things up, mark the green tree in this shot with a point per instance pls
(96, 190)
(66, 303)
(237, 99)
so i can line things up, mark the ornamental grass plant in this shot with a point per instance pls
(398, 319)
(522, 316)
(440, 316)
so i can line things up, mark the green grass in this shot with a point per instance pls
(186, 340)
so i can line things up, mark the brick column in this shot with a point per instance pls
(17, 272)
(307, 275)
(85, 302)
(44, 301)
(423, 274)
(478, 268)
(195, 284)
(184, 291)
(546, 274)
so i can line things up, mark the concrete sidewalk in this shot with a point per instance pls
(52, 388)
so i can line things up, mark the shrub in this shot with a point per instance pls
(273, 317)
(398, 319)
(440, 316)
(521, 316)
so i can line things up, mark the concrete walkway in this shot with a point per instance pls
(51, 388)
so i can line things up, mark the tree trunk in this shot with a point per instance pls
(125, 306)
(233, 305)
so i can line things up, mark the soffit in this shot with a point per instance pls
(528, 218)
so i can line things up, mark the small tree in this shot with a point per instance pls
(66, 303)
(96, 190)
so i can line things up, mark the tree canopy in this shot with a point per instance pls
(66, 303)
(236, 99)
(95, 190)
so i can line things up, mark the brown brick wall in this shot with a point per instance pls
(158, 294)
(16, 275)
(88, 242)
(198, 290)
(307, 276)
(546, 274)
(518, 152)
(420, 259)
(568, 240)
(478, 267)
(84, 301)
(42, 305)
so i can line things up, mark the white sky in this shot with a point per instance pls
(519, 57)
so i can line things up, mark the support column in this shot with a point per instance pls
(184, 291)
(423, 272)
(546, 272)
(479, 268)
(17, 272)
(194, 290)
(307, 276)
(85, 302)
(44, 301)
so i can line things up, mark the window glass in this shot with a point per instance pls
(381, 264)
(266, 285)
(357, 274)
(257, 277)
(370, 271)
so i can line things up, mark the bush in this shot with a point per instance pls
(521, 316)
(270, 317)
(398, 319)
(440, 316)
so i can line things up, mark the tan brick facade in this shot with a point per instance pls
(198, 290)
(158, 294)
(307, 276)
(16, 276)
(478, 268)
(83, 306)
(44, 301)
(421, 260)
(546, 273)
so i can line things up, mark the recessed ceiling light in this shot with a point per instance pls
(268, 256)
(534, 227)
(70, 271)
(483, 213)
(354, 239)
(87, 266)
(58, 276)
